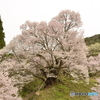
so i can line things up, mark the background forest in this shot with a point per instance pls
(49, 60)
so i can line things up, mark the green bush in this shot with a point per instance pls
(33, 86)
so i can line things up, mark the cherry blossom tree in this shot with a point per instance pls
(49, 49)
(7, 90)
(94, 64)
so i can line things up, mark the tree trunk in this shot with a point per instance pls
(50, 81)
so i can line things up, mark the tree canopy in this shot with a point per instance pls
(51, 48)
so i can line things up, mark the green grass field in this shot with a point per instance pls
(61, 91)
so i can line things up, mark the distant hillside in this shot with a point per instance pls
(93, 44)
(92, 40)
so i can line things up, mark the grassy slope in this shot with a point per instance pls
(62, 91)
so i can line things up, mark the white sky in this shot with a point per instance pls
(14, 13)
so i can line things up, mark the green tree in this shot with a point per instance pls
(2, 35)
(94, 49)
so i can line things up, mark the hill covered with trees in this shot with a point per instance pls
(93, 44)
(92, 40)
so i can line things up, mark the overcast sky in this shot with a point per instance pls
(15, 12)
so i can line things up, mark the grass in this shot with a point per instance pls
(62, 91)
(31, 87)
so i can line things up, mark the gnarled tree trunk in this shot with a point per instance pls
(50, 81)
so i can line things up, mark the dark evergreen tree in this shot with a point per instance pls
(2, 35)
